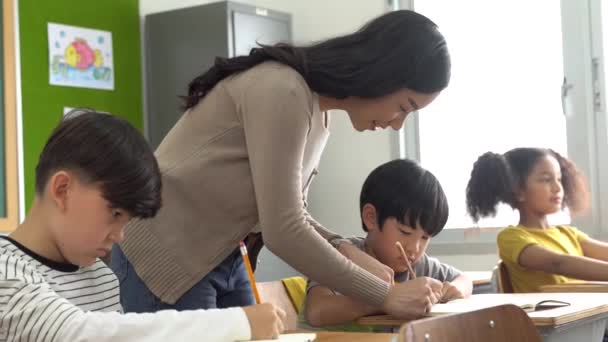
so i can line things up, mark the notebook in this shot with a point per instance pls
(533, 303)
(544, 305)
(307, 337)
(465, 305)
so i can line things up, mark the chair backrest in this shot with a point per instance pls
(504, 323)
(504, 280)
(274, 292)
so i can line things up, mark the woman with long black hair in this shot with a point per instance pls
(240, 160)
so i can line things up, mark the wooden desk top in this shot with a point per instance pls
(479, 277)
(353, 337)
(583, 286)
(582, 306)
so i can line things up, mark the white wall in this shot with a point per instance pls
(349, 155)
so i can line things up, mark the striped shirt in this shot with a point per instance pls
(43, 300)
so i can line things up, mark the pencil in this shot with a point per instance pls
(249, 272)
(412, 274)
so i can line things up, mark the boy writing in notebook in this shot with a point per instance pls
(400, 202)
(94, 174)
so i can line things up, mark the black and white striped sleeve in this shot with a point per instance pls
(34, 312)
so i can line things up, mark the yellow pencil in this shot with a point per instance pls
(250, 272)
(412, 274)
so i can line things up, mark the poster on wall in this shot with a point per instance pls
(80, 57)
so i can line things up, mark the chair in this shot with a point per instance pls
(504, 280)
(274, 292)
(504, 323)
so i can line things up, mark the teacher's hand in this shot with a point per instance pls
(363, 260)
(412, 299)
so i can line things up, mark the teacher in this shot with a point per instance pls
(238, 165)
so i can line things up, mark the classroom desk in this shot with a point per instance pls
(481, 281)
(354, 337)
(584, 320)
(583, 286)
(479, 277)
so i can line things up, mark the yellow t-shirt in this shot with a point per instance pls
(560, 239)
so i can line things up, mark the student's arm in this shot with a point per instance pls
(538, 258)
(324, 307)
(595, 249)
(34, 312)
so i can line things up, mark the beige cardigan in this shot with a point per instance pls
(239, 161)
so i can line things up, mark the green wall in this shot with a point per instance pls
(2, 132)
(42, 103)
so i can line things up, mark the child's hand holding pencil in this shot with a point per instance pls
(266, 320)
(412, 275)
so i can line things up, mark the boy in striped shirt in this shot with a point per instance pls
(94, 174)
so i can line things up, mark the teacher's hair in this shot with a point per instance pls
(398, 50)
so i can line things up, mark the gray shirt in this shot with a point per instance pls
(425, 267)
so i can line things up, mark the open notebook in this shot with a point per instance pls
(307, 337)
(465, 305)
(538, 305)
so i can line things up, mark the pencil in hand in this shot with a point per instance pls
(411, 272)
(247, 263)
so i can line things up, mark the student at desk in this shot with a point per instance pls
(400, 202)
(537, 182)
(95, 173)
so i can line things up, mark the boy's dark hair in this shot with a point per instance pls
(498, 178)
(404, 190)
(101, 148)
(397, 50)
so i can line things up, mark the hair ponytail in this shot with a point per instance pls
(491, 182)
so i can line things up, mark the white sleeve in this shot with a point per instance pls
(169, 325)
(34, 312)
